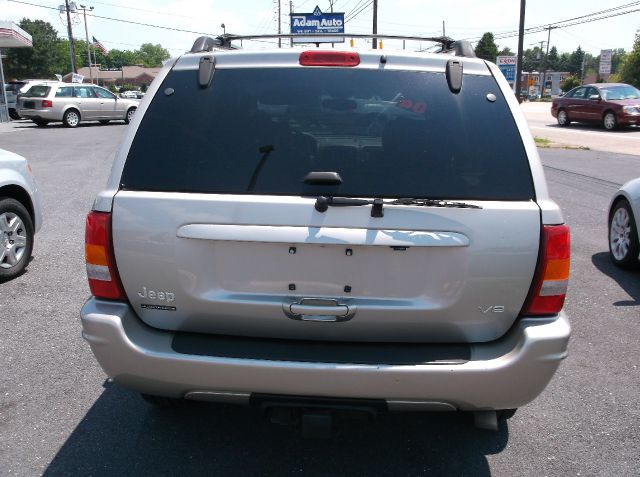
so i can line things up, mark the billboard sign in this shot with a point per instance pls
(605, 62)
(317, 23)
(507, 65)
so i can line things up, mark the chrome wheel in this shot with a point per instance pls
(609, 121)
(13, 240)
(563, 119)
(129, 115)
(71, 118)
(623, 235)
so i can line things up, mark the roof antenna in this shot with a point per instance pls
(454, 75)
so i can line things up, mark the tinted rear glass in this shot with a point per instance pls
(387, 133)
(37, 91)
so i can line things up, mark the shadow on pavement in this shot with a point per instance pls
(122, 435)
(629, 280)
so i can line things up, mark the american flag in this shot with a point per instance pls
(99, 46)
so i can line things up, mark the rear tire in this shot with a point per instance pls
(623, 236)
(563, 118)
(40, 122)
(13, 114)
(609, 121)
(104, 121)
(129, 116)
(16, 238)
(71, 118)
(505, 414)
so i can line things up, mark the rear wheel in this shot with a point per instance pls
(623, 235)
(563, 118)
(104, 121)
(13, 114)
(505, 414)
(16, 238)
(609, 121)
(71, 118)
(129, 116)
(40, 122)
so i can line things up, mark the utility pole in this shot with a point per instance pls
(279, 24)
(72, 52)
(520, 48)
(86, 34)
(545, 64)
(443, 33)
(375, 23)
(333, 45)
(290, 26)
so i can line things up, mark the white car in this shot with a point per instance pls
(20, 214)
(624, 237)
(129, 95)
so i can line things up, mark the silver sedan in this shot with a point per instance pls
(624, 214)
(20, 214)
(73, 103)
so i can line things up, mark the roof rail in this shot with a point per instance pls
(447, 45)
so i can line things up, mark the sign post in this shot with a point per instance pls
(507, 65)
(605, 62)
(317, 23)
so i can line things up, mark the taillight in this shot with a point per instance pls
(46, 103)
(329, 58)
(102, 273)
(549, 286)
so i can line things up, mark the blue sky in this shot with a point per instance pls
(469, 19)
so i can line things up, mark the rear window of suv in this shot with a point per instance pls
(387, 133)
(37, 91)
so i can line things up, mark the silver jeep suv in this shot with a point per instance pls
(316, 229)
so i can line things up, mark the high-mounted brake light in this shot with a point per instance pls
(329, 58)
(46, 103)
(550, 281)
(102, 273)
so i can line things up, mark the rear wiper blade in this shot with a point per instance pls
(433, 203)
(324, 202)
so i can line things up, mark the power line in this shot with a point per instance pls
(362, 10)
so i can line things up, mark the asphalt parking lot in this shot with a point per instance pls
(59, 416)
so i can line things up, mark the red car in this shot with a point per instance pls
(610, 104)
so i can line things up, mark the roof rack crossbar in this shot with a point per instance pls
(447, 44)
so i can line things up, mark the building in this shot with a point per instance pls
(530, 82)
(136, 75)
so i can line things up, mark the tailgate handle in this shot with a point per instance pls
(319, 309)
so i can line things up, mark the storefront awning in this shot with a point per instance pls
(12, 36)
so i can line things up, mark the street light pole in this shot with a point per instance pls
(520, 47)
(72, 52)
(546, 64)
(86, 33)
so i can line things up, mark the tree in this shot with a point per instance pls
(487, 48)
(553, 60)
(630, 69)
(532, 59)
(575, 62)
(49, 54)
(570, 82)
(506, 51)
(152, 55)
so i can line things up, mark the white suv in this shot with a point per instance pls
(327, 229)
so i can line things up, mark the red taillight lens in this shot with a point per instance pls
(102, 273)
(47, 103)
(329, 58)
(549, 286)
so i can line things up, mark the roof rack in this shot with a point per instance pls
(447, 45)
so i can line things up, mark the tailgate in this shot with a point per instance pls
(273, 266)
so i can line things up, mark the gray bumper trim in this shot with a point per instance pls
(502, 374)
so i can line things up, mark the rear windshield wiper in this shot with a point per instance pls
(433, 203)
(324, 202)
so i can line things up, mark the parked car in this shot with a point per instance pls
(624, 216)
(325, 229)
(73, 103)
(20, 214)
(12, 90)
(129, 95)
(611, 104)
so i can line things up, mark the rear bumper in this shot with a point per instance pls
(503, 374)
